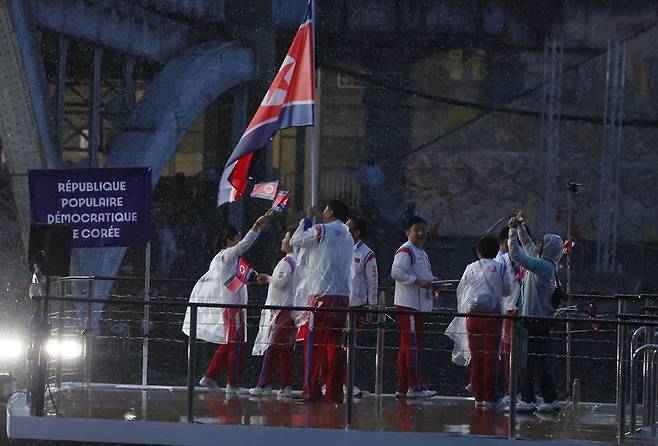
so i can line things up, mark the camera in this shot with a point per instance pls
(573, 187)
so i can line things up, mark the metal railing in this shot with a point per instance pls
(621, 322)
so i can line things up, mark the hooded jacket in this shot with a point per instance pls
(539, 280)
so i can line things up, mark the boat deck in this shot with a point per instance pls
(117, 413)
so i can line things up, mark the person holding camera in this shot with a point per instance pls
(538, 287)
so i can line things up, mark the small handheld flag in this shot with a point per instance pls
(567, 246)
(281, 200)
(266, 191)
(241, 276)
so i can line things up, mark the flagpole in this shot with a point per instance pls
(314, 132)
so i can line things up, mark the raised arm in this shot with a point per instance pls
(526, 241)
(249, 239)
(306, 238)
(518, 255)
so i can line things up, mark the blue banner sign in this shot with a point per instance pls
(105, 207)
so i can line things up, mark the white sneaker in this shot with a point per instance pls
(411, 393)
(261, 391)
(286, 392)
(208, 383)
(522, 406)
(489, 405)
(356, 391)
(235, 390)
(399, 394)
(548, 407)
(479, 404)
(427, 393)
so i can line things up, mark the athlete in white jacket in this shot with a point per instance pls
(414, 291)
(224, 326)
(330, 249)
(364, 276)
(276, 336)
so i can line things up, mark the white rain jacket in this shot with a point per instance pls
(281, 292)
(510, 300)
(410, 263)
(330, 248)
(539, 279)
(211, 289)
(480, 290)
(364, 276)
(325, 254)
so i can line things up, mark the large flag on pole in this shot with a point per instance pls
(289, 102)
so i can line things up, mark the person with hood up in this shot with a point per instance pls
(276, 337)
(539, 282)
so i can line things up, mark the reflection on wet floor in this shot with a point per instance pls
(446, 415)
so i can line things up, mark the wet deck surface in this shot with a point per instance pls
(590, 422)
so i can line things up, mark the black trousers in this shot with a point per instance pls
(537, 364)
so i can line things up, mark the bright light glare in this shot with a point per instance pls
(10, 348)
(65, 349)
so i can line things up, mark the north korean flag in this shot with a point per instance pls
(241, 276)
(289, 102)
(281, 200)
(266, 191)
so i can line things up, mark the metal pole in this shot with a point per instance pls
(314, 129)
(621, 381)
(191, 361)
(569, 212)
(646, 371)
(568, 324)
(635, 355)
(61, 90)
(379, 358)
(95, 125)
(349, 397)
(89, 334)
(568, 355)
(60, 329)
(145, 328)
(652, 396)
(513, 379)
(42, 355)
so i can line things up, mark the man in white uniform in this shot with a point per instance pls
(414, 292)
(330, 248)
(364, 276)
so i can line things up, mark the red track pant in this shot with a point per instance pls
(324, 355)
(230, 356)
(507, 343)
(411, 348)
(484, 337)
(280, 353)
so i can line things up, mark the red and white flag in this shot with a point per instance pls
(266, 191)
(289, 102)
(241, 276)
(281, 200)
